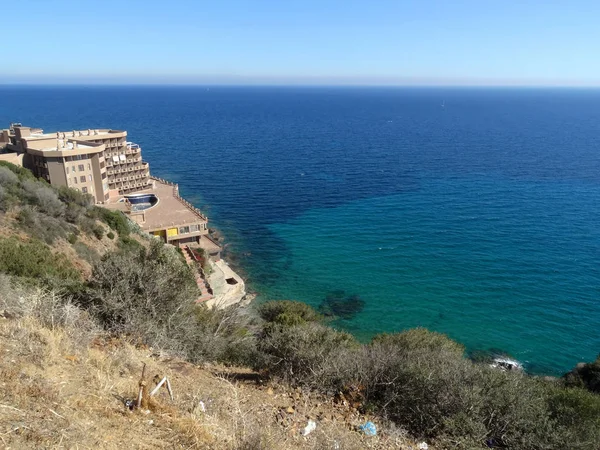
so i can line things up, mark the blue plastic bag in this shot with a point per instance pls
(369, 429)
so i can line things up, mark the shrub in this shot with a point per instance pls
(34, 260)
(87, 253)
(110, 235)
(116, 220)
(417, 378)
(576, 415)
(47, 307)
(72, 238)
(7, 176)
(287, 312)
(585, 375)
(75, 197)
(129, 244)
(149, 293)
(309, 354)
(7, 201)
(98, 231)
(43, 227)
(418, 339)
(48, 201)
(21, 172)
(223, 335)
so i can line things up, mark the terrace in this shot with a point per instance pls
(161, 211)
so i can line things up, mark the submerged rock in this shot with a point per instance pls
(338, 304)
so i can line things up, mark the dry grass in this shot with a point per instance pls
(59, 392)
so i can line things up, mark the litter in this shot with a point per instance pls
(423, 446)
(310, 427)
(369, 429)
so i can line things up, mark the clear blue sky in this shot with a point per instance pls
(307, 42)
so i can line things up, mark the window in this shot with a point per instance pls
(89, 166)
(103, 175)
(194, 228)
(78, 157)
(84, 190)
(81, 167)
(75, 180)
(89, 178)
(73, 169)
(183, 230)
(82, 178)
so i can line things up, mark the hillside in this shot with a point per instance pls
(66, 387)
(86, 299)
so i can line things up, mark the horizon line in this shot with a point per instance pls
(306, 85)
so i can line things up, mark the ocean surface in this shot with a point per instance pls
(473, 212)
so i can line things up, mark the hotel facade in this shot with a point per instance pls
(100, 162)
(104, 164)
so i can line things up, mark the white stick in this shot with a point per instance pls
(169, 389)
(155, 390)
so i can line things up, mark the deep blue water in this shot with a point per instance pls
(479, 219)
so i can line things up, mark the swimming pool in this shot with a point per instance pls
(140, 202)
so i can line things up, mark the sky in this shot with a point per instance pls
(347, 42)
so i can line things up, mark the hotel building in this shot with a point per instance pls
(99, 162)
(102, 163)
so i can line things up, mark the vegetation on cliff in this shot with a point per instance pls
(62, 269)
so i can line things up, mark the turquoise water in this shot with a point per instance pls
(436, 259)
(479, 219)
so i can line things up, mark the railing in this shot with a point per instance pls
(178, 197)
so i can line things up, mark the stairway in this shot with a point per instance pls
(200, 281)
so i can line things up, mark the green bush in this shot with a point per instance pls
(7, 177)
(585, 375)
(7, 200)
(576, 415)
(75, 197)
(34, 260)
(116, 220)
(287, 312)
(110, 235)
(309, 354)
(129, 244)
(21, 172)
(72, 238)
(98, 231)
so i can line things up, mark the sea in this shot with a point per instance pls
(473, 212)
